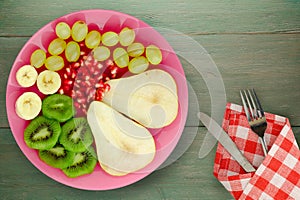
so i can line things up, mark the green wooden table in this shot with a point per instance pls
(253, 43)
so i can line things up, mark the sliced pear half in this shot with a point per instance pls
(150, 98)
(123, 146)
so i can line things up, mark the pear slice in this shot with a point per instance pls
(150, 98)
(123, 146)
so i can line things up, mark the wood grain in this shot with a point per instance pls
(190, 16)
(187, 178)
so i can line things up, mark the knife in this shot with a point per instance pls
(215, 129)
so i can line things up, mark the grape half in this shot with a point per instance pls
(110, 39)
(92, 39)
(138, 65)
(121, 57)
(101, 53)
(38, 58)
(135, 49)
(54, 63)
(79, 31)
(63, 30)
(153, 54)
(126, 36)
(72, 51)
(57, 46)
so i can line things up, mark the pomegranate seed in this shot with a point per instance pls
(99, 66)
(89, 58)
(81, 44)
(61, 91)
(106, 87)
(75, 65)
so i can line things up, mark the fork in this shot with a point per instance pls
(256, 117)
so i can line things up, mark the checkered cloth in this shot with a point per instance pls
(277, 175)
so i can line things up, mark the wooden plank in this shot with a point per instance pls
(187, 178)
(196, 17)
(19, 179)
(269, 63)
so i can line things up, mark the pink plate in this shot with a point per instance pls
(165, 138)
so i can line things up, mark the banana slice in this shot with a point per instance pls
(26, 76)
(48, 82)
(28, 105)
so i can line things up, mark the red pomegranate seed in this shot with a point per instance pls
(75, 65)
(61, 91)
(106, 87)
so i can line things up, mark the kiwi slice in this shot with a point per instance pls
(59, 107)
(76, 135)
(83, 163)
(42, 133)
(57, 156)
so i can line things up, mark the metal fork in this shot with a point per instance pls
(256, 117)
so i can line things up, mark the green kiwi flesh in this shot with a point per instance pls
(42, 133)
(57, 156)
(76, 135)
(83, 163)
(59, 107)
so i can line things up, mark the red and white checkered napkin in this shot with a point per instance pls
(277, 175)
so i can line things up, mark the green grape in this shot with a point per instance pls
(57, 46)
(121, 57)
(37, 58)
(126, 36)
(101, 53)
(92, 39)
(135, 49)
(79, 31)
(138, 65)
(110, 39)
(63, 30)
(72, 51)
(153, 54)
(54, 63)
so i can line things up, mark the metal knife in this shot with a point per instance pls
(215, 129)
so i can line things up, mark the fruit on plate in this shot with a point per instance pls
(58, 107)
(48, 82)
(28, 105)
(79, 31)
(110, 38)
(26, 76)
(54, 63)
(150, 98)
(111, 171)
(101, 53)
(57, 156)
(138, 65)
(56, 46)
(76, 135)
(83, 163)
(153, 54)
(72, 51)
(126, 36)
(63, 30)
(92, 39)
(135, 49)
(121, 57)
(38, 58)
(42, 133)
(122, 144)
